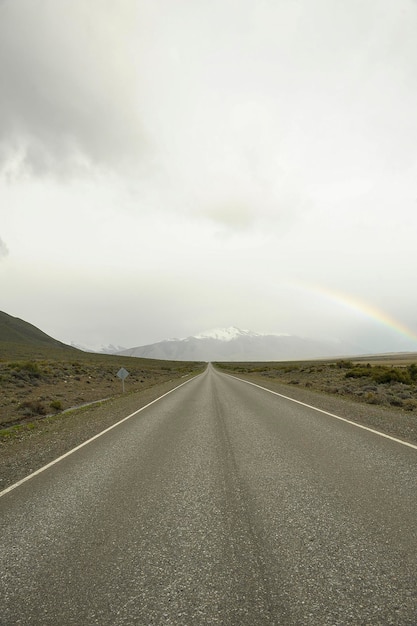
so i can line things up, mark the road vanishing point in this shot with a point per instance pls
(220, 503)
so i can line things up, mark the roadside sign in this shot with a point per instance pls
(122, 373)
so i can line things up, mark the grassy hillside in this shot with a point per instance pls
(21, 339)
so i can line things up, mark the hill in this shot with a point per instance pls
(15, 330)
(19, 339)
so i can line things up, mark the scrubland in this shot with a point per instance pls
(35, 389)
(379, 383)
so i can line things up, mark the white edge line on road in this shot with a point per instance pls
(343, 419)
(85, 443)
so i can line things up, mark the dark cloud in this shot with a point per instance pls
(68, 96)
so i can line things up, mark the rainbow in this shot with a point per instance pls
(360, 306)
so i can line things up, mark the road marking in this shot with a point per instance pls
(85, 443)
(343, 419)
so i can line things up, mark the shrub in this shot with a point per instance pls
(358, 372)
(29, 367)
(381, 374)
(32, 407)
(56, 405)
(389, 375)
(373, 398)
(412, 370)
(395, 401)
(344, 364)
(370, 397)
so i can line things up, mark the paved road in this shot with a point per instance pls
(219, 504)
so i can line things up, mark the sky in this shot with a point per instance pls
(171, 166)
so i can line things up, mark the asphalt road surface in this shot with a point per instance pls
(219, 504)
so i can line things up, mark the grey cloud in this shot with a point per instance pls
(232, 215)
(4, 251)
(68, 95)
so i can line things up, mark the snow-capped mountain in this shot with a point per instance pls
(224, 334)
(228, 334)
(234, 344)
(110, 349)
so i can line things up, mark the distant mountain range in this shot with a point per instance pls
(234, 344)
(109, 349)
(221, 344)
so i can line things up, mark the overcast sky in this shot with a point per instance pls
(170, 166)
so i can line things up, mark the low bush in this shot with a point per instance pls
(32, 407)
(358, 372)
(56, 405)
(27, 367)
(381, 374)
(344, 364)
(394, 401)
(412, 370)
(390, 375)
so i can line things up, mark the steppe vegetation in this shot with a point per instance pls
(34, 389)
(388, 382)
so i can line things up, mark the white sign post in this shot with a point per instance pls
(122, 373)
